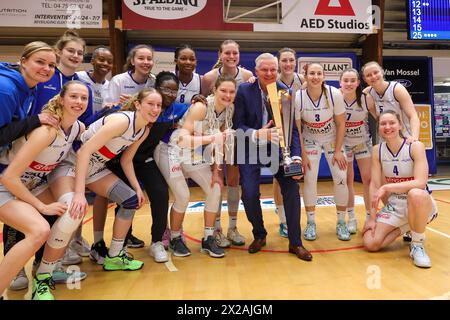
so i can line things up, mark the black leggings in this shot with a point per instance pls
(157, 191)
(11, 236)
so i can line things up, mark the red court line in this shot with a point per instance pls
(448, 202)
(282, 251)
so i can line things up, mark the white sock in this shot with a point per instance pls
(116, 246)
(209, 231)
(341, 216)
(46, 267)
(310, 216)
(175, 234)
(232, 221)
(217, 224)
(417, 238)
(98, 236)
(281, 213)
(351, 213)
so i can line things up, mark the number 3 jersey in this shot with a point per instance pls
(35, 175)
(318, 117)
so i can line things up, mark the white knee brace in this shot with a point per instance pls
(64, 227)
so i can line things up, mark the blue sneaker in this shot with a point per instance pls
(60, 275)
(283, 230)
(310, 231)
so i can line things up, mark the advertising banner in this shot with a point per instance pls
(416, 75)
(72, 14)
(335, 16)
(177, 15)
(331, 16)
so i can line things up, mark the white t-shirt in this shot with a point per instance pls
(99, 90)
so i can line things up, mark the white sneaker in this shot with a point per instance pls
(352, 226)
(81, 247)
(20, 282)
(158, 252)
(420, 257)
(71, 257)
(235, 237)
(221, 240)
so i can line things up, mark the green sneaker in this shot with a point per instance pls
(310, 231)
(123, 261)
(42, 283)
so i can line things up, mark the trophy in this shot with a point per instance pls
(283, 105)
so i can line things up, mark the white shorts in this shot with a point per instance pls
(65, 168)
(96, 171)
(359, 151)
(6, 196)
(396, 213)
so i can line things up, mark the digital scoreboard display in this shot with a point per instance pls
(429, 19)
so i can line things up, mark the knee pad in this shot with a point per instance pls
(181, 194)
(66, 198)
(62, 230)
(125, 197)
(233, 199)
(213, 199)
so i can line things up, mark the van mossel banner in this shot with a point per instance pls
(72, 14)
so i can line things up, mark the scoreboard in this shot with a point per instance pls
(429, 19)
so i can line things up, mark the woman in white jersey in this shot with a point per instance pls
(136, 77)
(102, 62)
(320, 111)
(24, 192)
(399, 179)
(190, 81)
(227, 64)
(202, 125)
(102, 141)
(287, 60)
(391, 95)
(357, 141)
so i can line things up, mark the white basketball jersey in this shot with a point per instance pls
(187, 90)
(397, 168)
(124, 83)
(318, 117)
(99, 90)
(296, 83)
(387, 101)
(47, 160)
(238, 77)
(356, 122)
(116, 145)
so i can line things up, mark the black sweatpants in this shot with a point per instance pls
(157, 191)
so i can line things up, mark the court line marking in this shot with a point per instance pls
(169, 264)
(439, 232)
(281, 251)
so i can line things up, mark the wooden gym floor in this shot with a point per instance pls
(339, 270)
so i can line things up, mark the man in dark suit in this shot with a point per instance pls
(257, 142)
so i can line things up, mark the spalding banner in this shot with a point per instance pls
(166, 10)
(177, 15)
